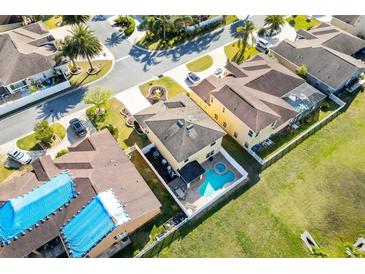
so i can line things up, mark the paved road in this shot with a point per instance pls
(133, 65)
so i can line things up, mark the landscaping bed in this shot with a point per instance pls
(234, 52)
(302, 22)
(126, 136)
(200, 64)
(172, 87)
(84, 78)
(318, 187)
(169, 208)
(30, 143)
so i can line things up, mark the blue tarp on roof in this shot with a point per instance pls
(87, 228)
(22, 212)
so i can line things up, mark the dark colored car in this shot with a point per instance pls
(78, 127)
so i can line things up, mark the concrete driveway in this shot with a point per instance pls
(133, 100)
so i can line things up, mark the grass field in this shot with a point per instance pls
(200, 64)
(319, 186)
(234, 52)
(173, 88)
(30, 143)
(83, 78)
(300, 22)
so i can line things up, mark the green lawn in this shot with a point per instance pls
(200, 64)
(234, 52)
(83, 78)
(4, 172)
(318, 186)
(169, 208)
(127, 136)
(157, 44)
(300, 22)
(51, 22)
(30, 143)
(285, 137)
(173, 88)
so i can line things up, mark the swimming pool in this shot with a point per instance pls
(214, 181)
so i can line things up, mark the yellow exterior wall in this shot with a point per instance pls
(199, 156)
(234, 124)
(128, 228)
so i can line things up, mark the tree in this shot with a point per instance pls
(274, 22)
(181, 22)
(98, 97)
(28, 19)
(69, 49)
(87, 44)
(43, 132)
(302, 70)
(245, 32)
(75, 19)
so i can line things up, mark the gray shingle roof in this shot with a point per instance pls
(349, 19)
(175, 136)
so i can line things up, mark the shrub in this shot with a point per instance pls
(362, 76)
(94, 118)
(130, 29)
(121, 20)
(325, 106)
(292, 22)
(261, 31)
(43, 132)
(113, 130)
(62, 152)
(319, 253)
(302, 70)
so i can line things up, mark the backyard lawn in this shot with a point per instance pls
(200, 64)
(173, 88)
(234, 52)
(301, 22)
(4, 172)
(318, 187)
(83, 78)
(52, 22)
(30, 143)
(127, 136)
(169, 208)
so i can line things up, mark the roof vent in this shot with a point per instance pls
(189, 127)
(180, 123)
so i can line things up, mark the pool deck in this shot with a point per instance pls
(193, 199)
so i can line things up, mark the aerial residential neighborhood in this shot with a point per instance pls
(131, 136)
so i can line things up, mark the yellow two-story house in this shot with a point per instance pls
(256, 99)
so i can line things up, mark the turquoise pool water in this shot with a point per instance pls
(214, 181)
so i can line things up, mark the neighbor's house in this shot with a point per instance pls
(182, 132)
(28, 66)
(82, 204)
(330, 55)
(256, 99)
(354, 24)
(9, 22)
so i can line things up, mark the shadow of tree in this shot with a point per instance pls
(115, 39)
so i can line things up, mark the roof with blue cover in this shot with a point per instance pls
(21, 213)
(93, 223)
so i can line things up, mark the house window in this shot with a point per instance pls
(212, 144)
(235, 134)
(224, 124)
(216, 116)
(18, 85)
(224, 109)
(210, 154)
(187, 160)
(250, 133)
(273, 124)
(246, 145)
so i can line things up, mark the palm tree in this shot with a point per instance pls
(181, 22)
(152, 26)
(164, 24)
(87, 44)
(274, 22)
(245, 32)
(69, 49)
(75, 19)
(28, 19)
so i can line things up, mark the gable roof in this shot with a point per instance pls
(182, 130)
(349, 19)
(24, 52)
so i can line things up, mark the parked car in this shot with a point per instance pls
(263, 43)
(19, 156)
(78, 127)
(192, 77)
(218, 72)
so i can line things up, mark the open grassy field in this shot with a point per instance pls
(200, 64)
(319, 186)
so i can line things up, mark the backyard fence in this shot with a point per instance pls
(304, 135)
